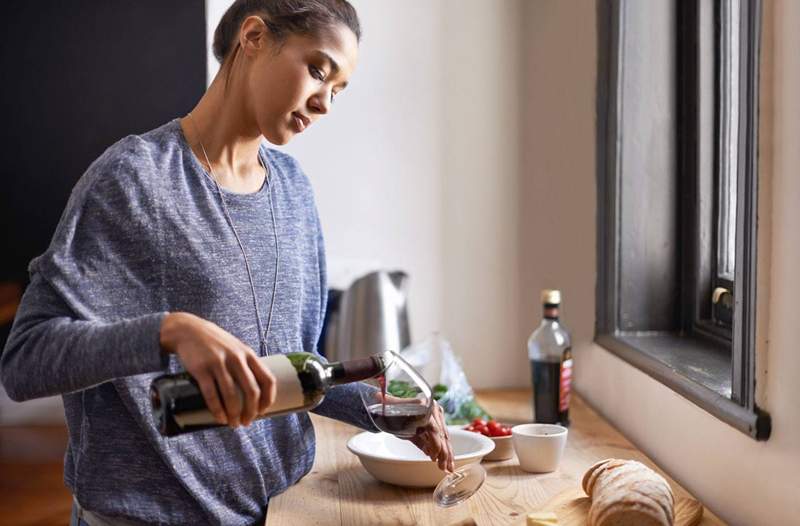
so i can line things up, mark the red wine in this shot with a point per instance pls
(382, 382)
(550, 399)
(399, 419)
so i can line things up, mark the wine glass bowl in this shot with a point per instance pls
(399, 400)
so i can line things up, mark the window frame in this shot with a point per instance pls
(661, 353)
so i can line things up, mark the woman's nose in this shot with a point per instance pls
(320, 103)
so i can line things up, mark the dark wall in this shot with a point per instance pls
(76, 77)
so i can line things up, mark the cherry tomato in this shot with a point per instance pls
(480, 421)
(493, 427)
(505, 432)
(482, 429)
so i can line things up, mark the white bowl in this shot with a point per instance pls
(539, 447)
(503, 448)
(400, 462)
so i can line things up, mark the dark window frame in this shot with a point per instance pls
(663, 353)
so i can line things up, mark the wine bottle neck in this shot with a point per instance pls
(551, 312)
(355, 370)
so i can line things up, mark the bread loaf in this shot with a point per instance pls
(627, 493)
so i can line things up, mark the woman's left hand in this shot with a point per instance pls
(434, 440)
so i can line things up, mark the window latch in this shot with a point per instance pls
(722, 295)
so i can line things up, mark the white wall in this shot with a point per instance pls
(376, 161)
(743, 481)
(480, 44)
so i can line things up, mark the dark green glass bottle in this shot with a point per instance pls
(301, 382)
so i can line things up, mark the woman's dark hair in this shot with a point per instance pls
(283, 18)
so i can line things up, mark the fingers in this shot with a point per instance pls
(266, 382)
(448, 446)
(439, 451)
(434, 441)
(231, 399)
(246, 382)
(209, 390)
(236, 386)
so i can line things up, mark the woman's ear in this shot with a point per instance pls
(253, 36)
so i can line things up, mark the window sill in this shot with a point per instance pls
(698, 370)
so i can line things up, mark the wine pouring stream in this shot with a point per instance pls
(403, 416)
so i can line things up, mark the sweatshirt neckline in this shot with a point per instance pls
(230, 196)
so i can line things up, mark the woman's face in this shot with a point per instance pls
(291, 86)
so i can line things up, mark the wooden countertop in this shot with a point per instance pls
(338, 490)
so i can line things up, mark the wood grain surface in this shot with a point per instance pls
(338, 490)
(32, 491)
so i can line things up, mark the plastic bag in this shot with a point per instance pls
(435, 360)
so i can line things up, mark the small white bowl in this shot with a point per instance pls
(400, 462)
(539, 447)
(503, 449)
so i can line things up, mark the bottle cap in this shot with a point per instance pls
(551, 297)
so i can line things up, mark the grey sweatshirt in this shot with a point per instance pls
(144, 233)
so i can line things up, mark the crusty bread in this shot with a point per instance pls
(627, 493)
(688, 512)
(588, 479)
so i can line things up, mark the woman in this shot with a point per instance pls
(194, 246)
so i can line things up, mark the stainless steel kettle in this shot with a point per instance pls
(372, 317)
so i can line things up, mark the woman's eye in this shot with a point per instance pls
(316, 73)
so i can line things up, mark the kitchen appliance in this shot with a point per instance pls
(369, 317)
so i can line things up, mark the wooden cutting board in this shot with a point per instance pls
(572, 508)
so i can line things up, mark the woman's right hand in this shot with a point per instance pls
(222, 365)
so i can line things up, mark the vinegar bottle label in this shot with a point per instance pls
(565, 385)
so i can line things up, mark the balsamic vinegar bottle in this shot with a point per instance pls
(301, 381)
(550, 354)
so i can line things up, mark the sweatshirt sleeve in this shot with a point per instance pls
(50, 352)
(89, 314)
(343, 403)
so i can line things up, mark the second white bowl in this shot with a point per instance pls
(539, 447)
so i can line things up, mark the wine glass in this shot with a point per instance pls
(399, 403)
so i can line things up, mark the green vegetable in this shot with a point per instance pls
(439, 390)
(402, 389)
(455, 414)
(464, 413)
(470, 410)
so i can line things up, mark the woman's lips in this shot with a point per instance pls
(300, 122)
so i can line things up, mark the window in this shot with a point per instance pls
(727, 93)
(677, 158)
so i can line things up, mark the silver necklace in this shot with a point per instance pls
(263, 333)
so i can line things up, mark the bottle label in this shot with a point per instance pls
(288, 392)
(565, 385)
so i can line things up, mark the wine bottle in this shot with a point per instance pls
(550, 354)
(301, 381)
